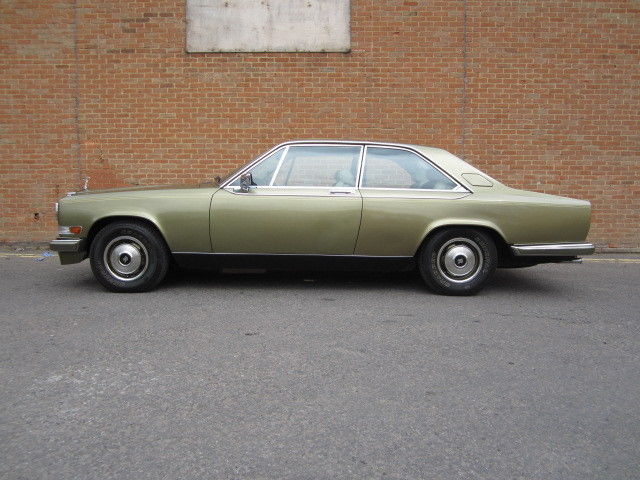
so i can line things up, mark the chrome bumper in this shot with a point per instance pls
(553, 250)
(68, 245)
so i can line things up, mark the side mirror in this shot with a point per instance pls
(246, 182)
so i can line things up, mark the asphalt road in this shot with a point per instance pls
(306, 376)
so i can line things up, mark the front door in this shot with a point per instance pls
(304, 201)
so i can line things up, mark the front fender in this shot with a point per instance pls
(181, 216)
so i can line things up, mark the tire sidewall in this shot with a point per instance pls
(441, 284)
(157, 261)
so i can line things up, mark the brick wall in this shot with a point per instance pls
(543, 95)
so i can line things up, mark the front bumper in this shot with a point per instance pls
(70, 250)
(553, 250)
(68, 245)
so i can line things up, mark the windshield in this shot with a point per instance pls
(234, 172)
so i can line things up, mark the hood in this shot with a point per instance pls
(143, 188)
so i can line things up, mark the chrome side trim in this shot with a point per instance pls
(204, 260)
(68, 245)
(293, 255)
(553, 250)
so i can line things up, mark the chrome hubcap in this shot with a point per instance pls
(126, 258)
(460, 259)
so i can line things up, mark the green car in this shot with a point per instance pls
(325, 204)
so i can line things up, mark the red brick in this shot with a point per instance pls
(551, 100)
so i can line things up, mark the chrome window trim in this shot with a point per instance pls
(250, 165)
(300, 194)
(360, 143)
(275, 172)
(295, 144)
(268, 189)
(305, 186)
(363, 149)
(255, 163)
(458, 188)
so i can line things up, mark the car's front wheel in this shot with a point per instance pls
(129, 257)
(458, 261)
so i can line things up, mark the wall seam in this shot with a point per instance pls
(465, 72)
(76, 93)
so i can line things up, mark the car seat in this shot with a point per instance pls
(344, 178)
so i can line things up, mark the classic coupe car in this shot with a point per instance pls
(325, 204)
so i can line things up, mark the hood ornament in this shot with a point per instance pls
(86, 183)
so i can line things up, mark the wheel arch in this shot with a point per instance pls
(102, 222)
(492, 230)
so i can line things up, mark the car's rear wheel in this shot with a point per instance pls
(129, 257)
(458, 261)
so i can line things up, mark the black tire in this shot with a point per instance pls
(458, 261)
(129, 256)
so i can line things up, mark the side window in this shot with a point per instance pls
(319, 166)
(263, 172)
(395, 168)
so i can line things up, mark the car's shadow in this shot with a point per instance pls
(504, 280)
(302, 279)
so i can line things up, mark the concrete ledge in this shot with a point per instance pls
(617, 250)
(23, 247)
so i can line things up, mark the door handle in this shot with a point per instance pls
(341, 192)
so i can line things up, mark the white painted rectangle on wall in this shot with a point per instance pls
(268, 26)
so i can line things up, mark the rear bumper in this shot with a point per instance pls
(553, 250)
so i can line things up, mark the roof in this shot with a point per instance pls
(443, 158)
